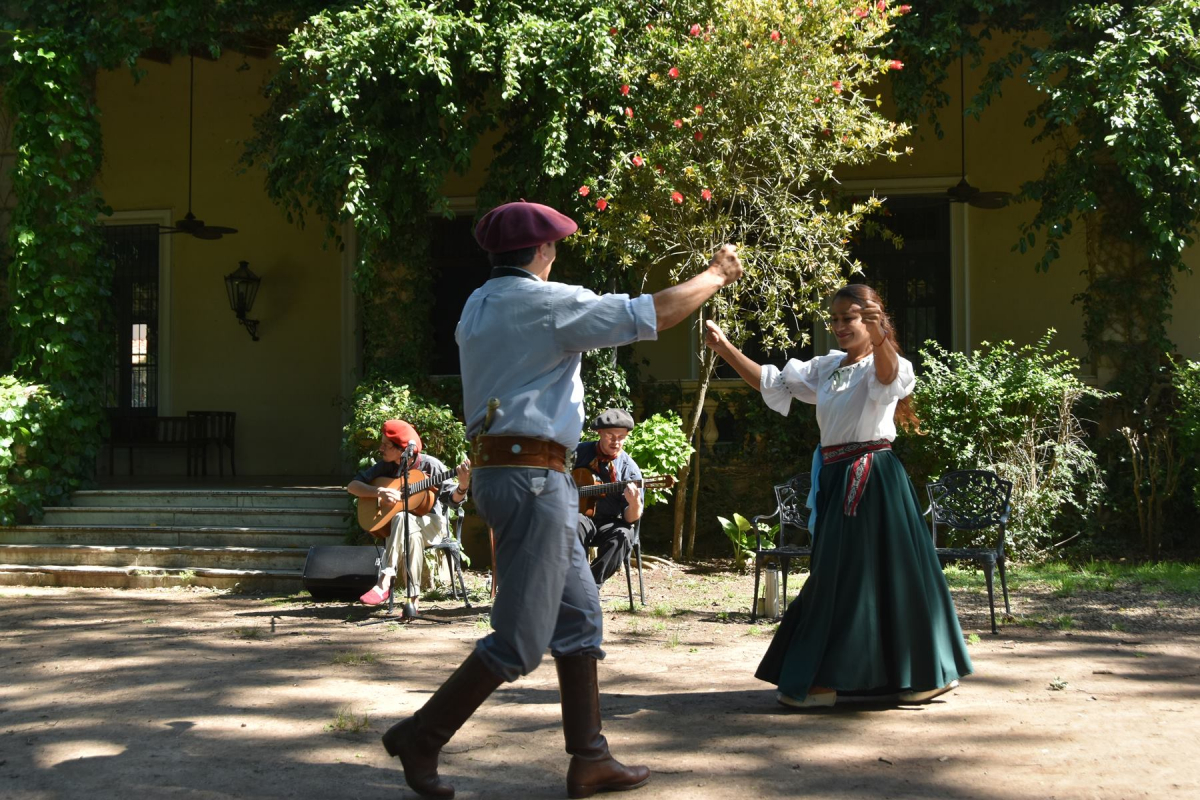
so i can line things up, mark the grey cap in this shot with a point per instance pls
(613, 418)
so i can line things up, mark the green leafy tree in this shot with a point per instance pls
(1119, 103)
(667, 128)
(728, 120)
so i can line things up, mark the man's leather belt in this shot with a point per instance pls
(518, 451)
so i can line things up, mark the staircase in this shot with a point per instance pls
(244, 539)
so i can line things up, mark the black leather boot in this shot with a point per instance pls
(593, 769)
(417, 740)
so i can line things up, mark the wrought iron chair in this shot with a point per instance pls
(635, 550)
(973, 500)
(451, 548)
(794, 539)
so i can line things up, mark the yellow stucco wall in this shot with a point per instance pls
(286, 387)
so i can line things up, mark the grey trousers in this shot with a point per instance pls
(546, 594)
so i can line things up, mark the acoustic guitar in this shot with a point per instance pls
(591, 490)
(374, 517)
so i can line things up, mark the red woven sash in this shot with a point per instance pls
(862, 453)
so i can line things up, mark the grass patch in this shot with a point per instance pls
(351, 658)
(483, 624)
(248, 633)
(347, 721)
(663, 610)
(672, 640)
(1067, 579)
(1064, 622)
(973, 639)
(1032, 621)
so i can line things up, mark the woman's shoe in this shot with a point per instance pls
(373, 597)
(925, 697)
(811, 700)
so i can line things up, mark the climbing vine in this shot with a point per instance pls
(52, 406)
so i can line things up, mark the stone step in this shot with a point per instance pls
(128, 577)
(203, 516)
(177, 536)
(132, 556)
(332, 499)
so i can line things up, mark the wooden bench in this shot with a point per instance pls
(144, 432)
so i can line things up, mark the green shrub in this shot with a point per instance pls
(41, 457)
(660, 447)
(1186, 420)
(376, 400)
(1011, 410)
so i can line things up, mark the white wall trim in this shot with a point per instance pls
(157, 216)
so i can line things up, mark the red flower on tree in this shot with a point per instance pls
(699, 110)
(677, 198)
(625, 88)
(694, 30)
(706, 195)
(895, 64)
(638, 162)
(837, 86)
(601, 204)
(881, 6)
(584, 191)
(774, 36)
(860, 12)
(678, 123)
(698, 135)
(905, 9)
(659, 169)
(629, 112)
(673, 72)
(612, 31)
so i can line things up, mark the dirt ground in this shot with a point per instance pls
(197, 694)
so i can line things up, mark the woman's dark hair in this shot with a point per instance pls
(513, 258)
(861, 294)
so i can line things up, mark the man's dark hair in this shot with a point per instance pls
(513, 258)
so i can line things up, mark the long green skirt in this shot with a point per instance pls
(875, 616)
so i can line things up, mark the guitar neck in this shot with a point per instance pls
(430, 482)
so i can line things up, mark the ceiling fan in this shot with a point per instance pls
(190, 224)
(963, 192)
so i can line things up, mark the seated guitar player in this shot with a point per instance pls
(423, 530)
(610, 525)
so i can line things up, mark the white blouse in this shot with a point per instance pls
(852, 405)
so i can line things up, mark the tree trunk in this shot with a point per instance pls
(707, 365)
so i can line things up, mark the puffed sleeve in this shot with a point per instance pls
(798, 379)
(900, 387)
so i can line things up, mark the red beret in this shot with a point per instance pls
(401, 433)
(514, 226)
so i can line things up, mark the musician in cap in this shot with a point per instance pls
(423, 530)
(520, 340)
(608, 523)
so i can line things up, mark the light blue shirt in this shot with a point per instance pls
(521, 341)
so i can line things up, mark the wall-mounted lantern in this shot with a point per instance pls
(242, 286)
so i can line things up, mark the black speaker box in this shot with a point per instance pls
(341, 572)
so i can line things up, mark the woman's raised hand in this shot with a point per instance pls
(872, 319)
(714, 337)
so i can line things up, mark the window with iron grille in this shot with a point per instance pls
(131, 385)
(914, 281)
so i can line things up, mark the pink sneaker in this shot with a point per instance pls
(373, 597)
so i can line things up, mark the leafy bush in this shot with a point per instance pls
(1186, 420)
(1011, 410)
(377, 400)
(660, 447)
(40, 453)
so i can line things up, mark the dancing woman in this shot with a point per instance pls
(875, 617)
